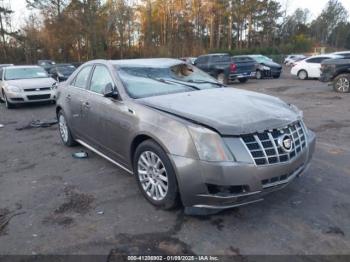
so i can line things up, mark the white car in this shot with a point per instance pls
(292, 58)
(310, 67)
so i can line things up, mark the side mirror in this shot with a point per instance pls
(110, 91)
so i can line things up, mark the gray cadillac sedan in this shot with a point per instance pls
(184, 136)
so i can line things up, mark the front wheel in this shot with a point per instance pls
(341, 83)
(65, 133)
(276, 76)
(8, 104)
(222, 79)
(155, 175)
(258, 74)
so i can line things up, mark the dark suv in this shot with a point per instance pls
(337, 71)
(226, 68)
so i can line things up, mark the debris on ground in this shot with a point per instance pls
(100, 212)
(75, 202)
(335, 230)
(5, 217)
(80, 154)
(37, 124)
(1, 125)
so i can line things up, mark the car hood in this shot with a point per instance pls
(229, 111)
(31, 83)
(272, 64)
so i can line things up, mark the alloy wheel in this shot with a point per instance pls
(343, 85)
(302, 75)
(258, 75)
(63, 128)
(152, 175)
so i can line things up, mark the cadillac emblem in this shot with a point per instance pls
(286, 143)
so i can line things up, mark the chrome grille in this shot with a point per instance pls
(37, 89)
(265, 149)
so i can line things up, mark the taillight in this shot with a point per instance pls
(233, 68)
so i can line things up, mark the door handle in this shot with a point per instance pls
(68, 97)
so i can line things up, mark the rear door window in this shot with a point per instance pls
(316, 60)
(220, 58)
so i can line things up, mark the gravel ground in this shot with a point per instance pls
(51, 203)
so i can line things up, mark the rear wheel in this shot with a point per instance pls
(341, 83)
(302, 75)
(155, 175)
(65, 133)
(242, 80)
(222, 79)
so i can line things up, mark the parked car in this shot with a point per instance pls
(266, 67)
(225, 68)
(182, 134)
(46, 64)
(344, 54)
(5, 65)
(296, 61)
(25, 84)
(293, 58)
(189, 60)
(337, 71)
(310, 67)
(76, 64)
(61, 72)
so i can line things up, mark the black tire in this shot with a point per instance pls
(276, 76)
(69, 140)
(242, 80)
(303, 75)
(341, 83)
(258, 74)
(221, 77)
(171, 198)
(8, 104)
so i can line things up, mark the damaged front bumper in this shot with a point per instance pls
(217, 186)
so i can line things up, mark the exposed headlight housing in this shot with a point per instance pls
(297, 110)
(209, 145)
(14, 89)
(54, 86)
(266, 68)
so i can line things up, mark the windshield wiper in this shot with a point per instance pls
(205, 82)
(168, 81)
(181, 83)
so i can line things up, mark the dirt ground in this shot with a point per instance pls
(52, 203)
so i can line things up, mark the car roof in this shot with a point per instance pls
(23, 66)
(148, 62)
(325, 55)
(58, 65)
(341, 52)
(256, 55)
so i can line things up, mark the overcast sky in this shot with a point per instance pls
(315, 7)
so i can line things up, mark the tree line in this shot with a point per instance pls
(80, 30)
